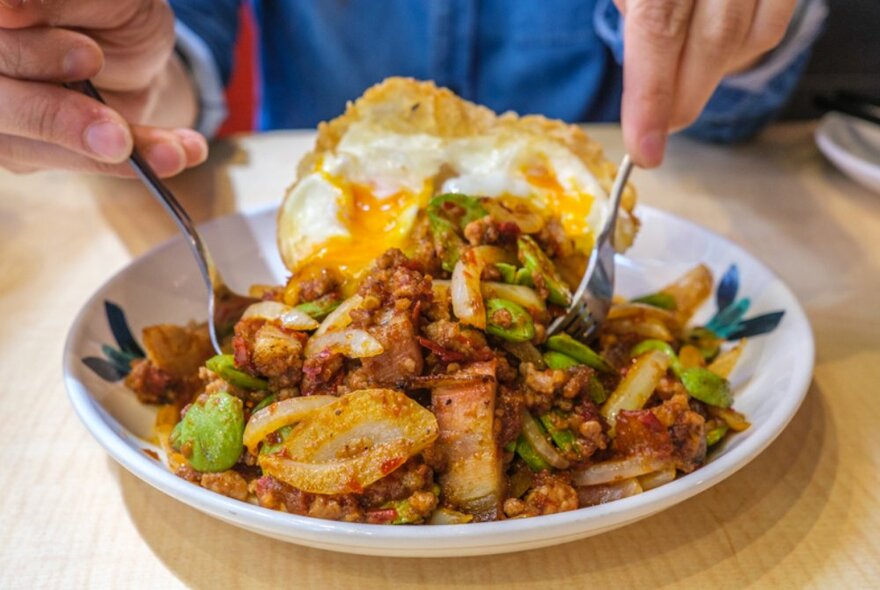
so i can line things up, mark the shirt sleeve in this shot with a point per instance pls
(743, 103)
(206, 33)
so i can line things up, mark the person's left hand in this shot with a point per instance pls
(675, 54)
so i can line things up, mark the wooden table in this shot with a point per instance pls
(805, 513)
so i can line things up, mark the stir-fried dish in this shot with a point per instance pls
(404, 373)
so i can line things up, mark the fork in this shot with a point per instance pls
(592, 299)
(225, 306)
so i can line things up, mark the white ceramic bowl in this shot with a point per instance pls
(164, 286)
(853, 146)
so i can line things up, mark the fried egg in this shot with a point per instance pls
(363, 198)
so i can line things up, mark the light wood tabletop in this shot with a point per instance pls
(805, 513)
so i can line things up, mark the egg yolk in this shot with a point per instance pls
(374, 223)
(572, 208)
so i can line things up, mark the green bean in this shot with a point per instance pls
(706, 386)
(664, 347)
(578, 351)
(715, 435)
(540, 266)
(209, 435)
(321, 307)
(557, 360)
(516, 326)
(524, 277)
(528, 454)
(266, 401)
(563, 438)
(706, 341)
(282, 434)
(597, 391)
(224, 366)
(661, 300)
(508, 272)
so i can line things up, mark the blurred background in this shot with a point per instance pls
(847, 56)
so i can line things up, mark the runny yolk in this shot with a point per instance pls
(375, 224)
(572, 208)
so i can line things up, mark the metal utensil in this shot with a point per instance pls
(592, 299)
(224, 305)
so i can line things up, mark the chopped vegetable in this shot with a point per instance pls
(597, 391)
(465, 288)
(224, 366)
(534, 435)
(350, 342)
(447, 216)
(601, 494)
(340, 317)
(736, 421)
(290, 317)
(528, 454)
(282, 434)
(557, 360)
(289, 411)
(320, 308)
(637, 386)
(619, 469)
(661, 300)
(724, 364)
(209, 434)
(449, 516)
(508, 272)
(538, 265)
(354, 441)
(706, 341)
(269, 399)
(526, 352)
(706, 386)
(562, 438)
(519, 294)
(656, 479)
(516, 211)
(689, 291)
(716, 434)
(524, 277)
(508, 320)
(578, 351)
(520, 482)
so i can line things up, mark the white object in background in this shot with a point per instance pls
(853, 145)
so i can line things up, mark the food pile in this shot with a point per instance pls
(404, 374)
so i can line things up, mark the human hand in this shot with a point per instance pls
(126, 47)
(675, 54)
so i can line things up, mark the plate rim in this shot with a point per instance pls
(851, 164)
(443, 540)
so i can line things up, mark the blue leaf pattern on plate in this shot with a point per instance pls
(727, 287)
(118, 362)
(728, 322)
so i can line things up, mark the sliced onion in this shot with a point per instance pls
(619, 469)
(467, 300)
(657, 479)
(289, 317)
(641, 311)
(274, 416)
(340, 317)
(636, 387)
(601, 494)
(532, 433)
(516, 211)
(525, 351)
(525, 296)
(351, 342)
(353, 442)
(449, 516)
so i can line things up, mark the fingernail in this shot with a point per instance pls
(165, 159)
(107, 140)
(80, 63)
(11, 3)
(652, 146)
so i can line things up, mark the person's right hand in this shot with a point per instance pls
(126, 47)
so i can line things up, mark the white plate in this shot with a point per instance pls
(164, 286)
(853, 146)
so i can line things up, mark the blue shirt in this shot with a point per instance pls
(560, 58)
